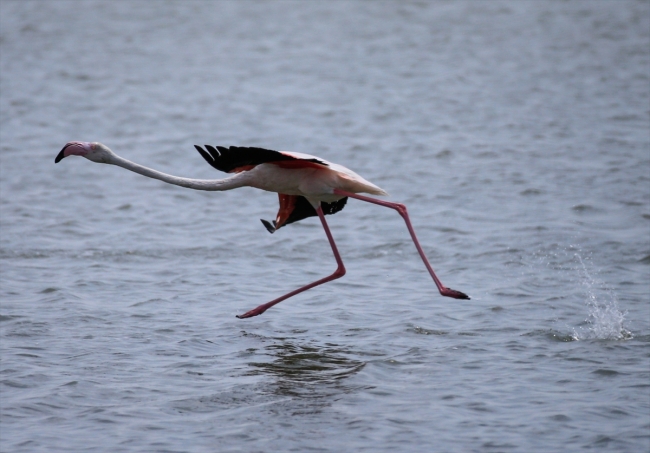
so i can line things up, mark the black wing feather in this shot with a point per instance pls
(227, 159)
(304, 209)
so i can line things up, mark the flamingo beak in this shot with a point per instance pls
(72, 148)
(61, 154)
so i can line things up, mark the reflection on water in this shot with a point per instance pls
(298, 379)
(308, 371)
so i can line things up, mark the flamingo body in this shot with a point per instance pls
(287, 172)
(306, 186)
(296, 178)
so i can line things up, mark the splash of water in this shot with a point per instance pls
(605, 320)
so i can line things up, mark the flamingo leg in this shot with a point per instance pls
(401, 209)
(338, 273)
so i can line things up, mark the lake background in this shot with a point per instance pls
(517, 133)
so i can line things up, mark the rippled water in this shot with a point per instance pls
(518, 133)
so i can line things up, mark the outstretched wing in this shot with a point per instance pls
(238, 158)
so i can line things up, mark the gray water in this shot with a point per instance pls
(517, 133)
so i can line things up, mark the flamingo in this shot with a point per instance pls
(306, 186)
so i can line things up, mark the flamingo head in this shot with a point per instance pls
(90, 150)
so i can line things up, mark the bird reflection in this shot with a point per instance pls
(308, 371)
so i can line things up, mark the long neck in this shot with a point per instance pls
(233, 182)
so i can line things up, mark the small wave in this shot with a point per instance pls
(551, 334)
(531, 192)
(422, 331)
(585, 209)
(606, 372)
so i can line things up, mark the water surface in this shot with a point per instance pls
(518, 134)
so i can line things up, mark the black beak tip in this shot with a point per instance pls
(59, 156)
(268, 225)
